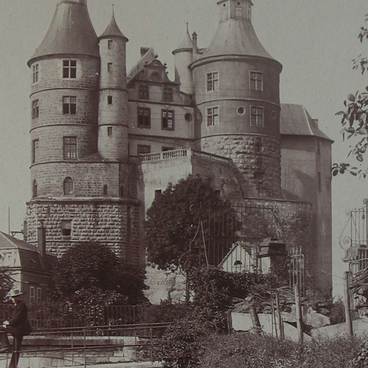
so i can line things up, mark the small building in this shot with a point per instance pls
(30, 266)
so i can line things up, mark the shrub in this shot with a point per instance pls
(179, 347)
(247, 350)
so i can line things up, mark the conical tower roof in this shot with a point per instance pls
(186, 44)
(235, 36)
(71, 32)
(112, 30)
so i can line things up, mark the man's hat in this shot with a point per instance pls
(15, 293)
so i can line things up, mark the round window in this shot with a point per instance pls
(188, 116)
(241, 110)
(273, 114)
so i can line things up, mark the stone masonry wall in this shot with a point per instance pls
(113, 222)
(253, 155)
(290, 220)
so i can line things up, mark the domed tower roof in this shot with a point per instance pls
(186, 44)
(235, 34)
(71, 32)
(112, 30)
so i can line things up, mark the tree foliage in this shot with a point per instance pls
(178, 220)
(354, 119)
(92, 270)
(6, 282)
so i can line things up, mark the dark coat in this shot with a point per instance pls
(18, 324)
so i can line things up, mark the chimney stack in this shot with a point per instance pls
(41, 235)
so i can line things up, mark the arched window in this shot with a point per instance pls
(34, 189)
(105, 190)
(68, 186)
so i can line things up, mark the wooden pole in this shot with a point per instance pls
(299, 322)
(279, 319)
(255, 320)
(349, 323)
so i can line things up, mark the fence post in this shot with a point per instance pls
(299, 321)
(349, 323)
(279, 319)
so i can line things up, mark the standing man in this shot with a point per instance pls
(18, 325)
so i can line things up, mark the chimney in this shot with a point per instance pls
(195, 45)
(41, 237)
(144, 51)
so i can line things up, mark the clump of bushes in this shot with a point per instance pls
(248, 350)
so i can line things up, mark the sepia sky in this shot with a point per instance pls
(314, 40)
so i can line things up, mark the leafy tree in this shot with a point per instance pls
(354, 119)
(93, 269)
(180, 218)
(6, 282)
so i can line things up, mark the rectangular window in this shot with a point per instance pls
(212, 116)
(256, 116)
(143, 149)
(32, 293)
(110, 44)
(70, 69)
(238, 11)
(143, 92)
(167, 119)
(66, 227)
(158, 192)
(109, 67)
(70, 148)
(38, 294)
(319, 182)
(144, 117)
(35, 144)
(109, 100)
(212, 81)
(256, 81)
(109, 131)
(35, 109)
(69, 105)
(35, 72)
(168, 94)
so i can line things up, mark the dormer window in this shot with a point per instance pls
(143, 92)
(70, 69)
(168, 94)
(238, 10)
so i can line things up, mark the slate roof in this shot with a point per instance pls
(71, 32)
(112, 30)
(29, 256)
(186, 43)
(235, 37)
(295, 120)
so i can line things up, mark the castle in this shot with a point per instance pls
(105, 142)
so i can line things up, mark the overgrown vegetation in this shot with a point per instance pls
(248, 350)
(179, 218)
(91, 273)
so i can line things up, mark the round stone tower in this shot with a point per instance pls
(183, 58)
(113, 99)
(237, 93)
(64, 98)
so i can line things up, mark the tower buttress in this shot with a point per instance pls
(113, 95)
(237, 93)
(183, 58)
